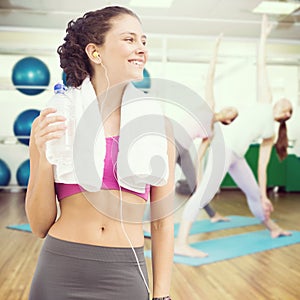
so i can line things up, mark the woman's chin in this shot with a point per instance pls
(138, 78)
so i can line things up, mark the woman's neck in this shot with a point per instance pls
(216, 117)
(108, 96)
(104, 84)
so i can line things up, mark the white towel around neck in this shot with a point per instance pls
(142, 157)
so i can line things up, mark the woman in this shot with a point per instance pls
(225, 116)
(256, 122)
(89, 251)
(191, 118)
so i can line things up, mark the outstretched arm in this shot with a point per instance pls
(263, 160)
(264, 93)
(209, 84)
(264, 96)
(210, 99)
(264, 156)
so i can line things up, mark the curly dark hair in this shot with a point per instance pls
(91, 28)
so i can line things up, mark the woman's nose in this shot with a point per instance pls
(141, 48)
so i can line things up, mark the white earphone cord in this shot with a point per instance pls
(121, 200)
(125, 233)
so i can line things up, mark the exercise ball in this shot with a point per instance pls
(23, 123)
(30, 71)
(23, 173)
(4, 173)
(64, 78)
(145, 83)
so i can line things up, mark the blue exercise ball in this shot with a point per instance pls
(30, 71)
(64, 78)
(145, 83)
(23, 123)
(23, 173)
(5, 174)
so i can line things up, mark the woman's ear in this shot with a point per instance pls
(93, 53)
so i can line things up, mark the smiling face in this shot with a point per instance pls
(124, 51)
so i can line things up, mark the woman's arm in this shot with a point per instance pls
(264, 90)
(210, 99)
(263, 161)
(162, 229)
(264, 156)
(40, 201)
(209, 83)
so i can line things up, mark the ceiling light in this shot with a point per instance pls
(151, 3)
(276, 8)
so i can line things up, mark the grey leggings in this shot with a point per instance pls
(68, 270)
(185, 161)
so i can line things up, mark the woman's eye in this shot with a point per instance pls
(129, 39)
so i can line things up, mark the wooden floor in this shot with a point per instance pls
(270, 275)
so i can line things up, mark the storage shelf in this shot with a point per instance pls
(12, 139)
(13, 188)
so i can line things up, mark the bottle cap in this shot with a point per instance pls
(59, 88)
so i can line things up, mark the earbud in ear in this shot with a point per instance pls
(95, 54)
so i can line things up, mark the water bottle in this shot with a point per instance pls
(60, 151)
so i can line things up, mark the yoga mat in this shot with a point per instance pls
(234, 246)
(21, 227)
(202, 226)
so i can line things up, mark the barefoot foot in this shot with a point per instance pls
(279, 232)
(186, 250)
(219, 218)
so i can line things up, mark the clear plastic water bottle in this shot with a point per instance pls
(60, 151)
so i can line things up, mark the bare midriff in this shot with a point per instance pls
(95, 219)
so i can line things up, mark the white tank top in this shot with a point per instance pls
(254, 122)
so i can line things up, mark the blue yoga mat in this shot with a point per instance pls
(21, 227)
(203, 226)
(234, 246)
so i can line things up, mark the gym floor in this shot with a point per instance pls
(268, 275)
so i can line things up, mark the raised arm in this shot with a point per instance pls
(264, 93)
(209, 83)
(210, 99)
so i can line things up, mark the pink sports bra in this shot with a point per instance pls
(109, 181)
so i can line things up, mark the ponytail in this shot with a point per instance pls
(282, 141)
